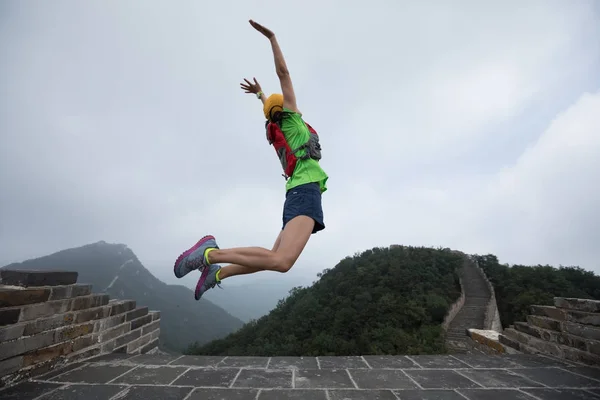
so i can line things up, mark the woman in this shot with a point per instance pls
(302, 210)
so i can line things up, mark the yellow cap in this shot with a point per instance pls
(273, 101)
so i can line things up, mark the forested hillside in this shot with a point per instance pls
(383, 301)
(519, 286)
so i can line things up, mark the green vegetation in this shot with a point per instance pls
(383, 301)
(520, 286)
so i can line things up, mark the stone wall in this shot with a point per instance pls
(455, 307)
(47, 320)
(570, 330)
(492, 316)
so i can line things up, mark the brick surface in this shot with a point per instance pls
(45, 324)
(11, 332)
(91, 314)
(562, 314)
(138, 312)
(9, 316)
(85, 302)
(70, 291)
(118, 307)
(10, 365)
(150, 327)
(110, 322)
(37, 278)
(151, 345)
(19, 297)
(40, 310)
(139, 322)
(114, 332)
(155, 315)
(586, 305)
(198, 377)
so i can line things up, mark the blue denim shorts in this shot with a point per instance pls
(304, 200)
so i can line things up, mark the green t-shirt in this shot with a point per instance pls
(307, 171)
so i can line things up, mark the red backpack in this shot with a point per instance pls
(287, 156)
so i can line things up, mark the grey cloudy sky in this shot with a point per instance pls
(470, 125)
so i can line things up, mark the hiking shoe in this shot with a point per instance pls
(207, 280)
(193, 258)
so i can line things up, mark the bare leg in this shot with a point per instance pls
(236, 269)
(293, 239)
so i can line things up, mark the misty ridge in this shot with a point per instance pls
(386, 300)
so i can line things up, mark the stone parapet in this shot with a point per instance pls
(48, 320)
(569, 330)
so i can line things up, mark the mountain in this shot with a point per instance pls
(383, 301)
(115, 269)
(249, 298)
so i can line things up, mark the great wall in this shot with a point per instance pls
(59, 339)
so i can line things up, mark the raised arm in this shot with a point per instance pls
(289, 97)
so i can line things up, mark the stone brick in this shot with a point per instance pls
(83, 354)
(19, 297)
(85, 302)
(137, 343)
(559, 337)
(107, 347)
(138, 312)
(9, 316)
(70, 291)
(121, 350)
(544, 322)
(151, 327)
(121, 306)
(128, 337)
(549, 311)
(138, 322)
(153, 344)
(155, 315)
(11, 332)
(72, 332)
(117, 331)
(11, 365)
(562, 314)
(109, 322)
(528, 343)
(57, 350)
(37, 278)
(155, 334)
(82, 342)
(584, 331)
(47, 353)
(91, 314)
(585, 305)
(46, 309)
(25, 344)
(45, 324)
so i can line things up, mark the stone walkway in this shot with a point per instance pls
(462, 376)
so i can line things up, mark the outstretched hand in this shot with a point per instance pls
(265, 31)
(251, 87)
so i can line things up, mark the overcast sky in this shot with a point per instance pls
(466, 124)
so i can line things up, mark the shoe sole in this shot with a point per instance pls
(188, 252)
(200, 283)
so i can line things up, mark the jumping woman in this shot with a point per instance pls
(296, 145)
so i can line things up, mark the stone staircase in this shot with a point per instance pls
(48, 320)
(473, 312)
(570, 330)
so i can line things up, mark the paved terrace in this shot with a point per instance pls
(443, 377)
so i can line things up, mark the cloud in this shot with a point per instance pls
(468, 126)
